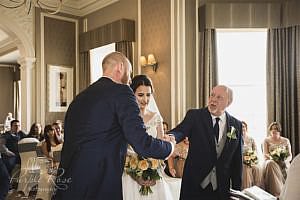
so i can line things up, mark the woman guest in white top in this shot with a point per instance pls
(290, 189)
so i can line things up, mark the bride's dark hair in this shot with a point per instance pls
(139, 80)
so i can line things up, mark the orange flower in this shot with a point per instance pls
(154, 163)
(247, 158)
(127, 160)
(143, 165)
(133, 163)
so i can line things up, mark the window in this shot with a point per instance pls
(96, 57)
(242, 66)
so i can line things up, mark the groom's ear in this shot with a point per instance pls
(119, 70)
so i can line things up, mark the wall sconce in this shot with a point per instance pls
(149, 62)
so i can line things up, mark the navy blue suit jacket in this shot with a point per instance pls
(98, 124)
(202, 156)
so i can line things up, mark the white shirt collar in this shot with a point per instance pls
(222, 123)
(222, 117)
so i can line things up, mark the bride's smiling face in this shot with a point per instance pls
(143, 94)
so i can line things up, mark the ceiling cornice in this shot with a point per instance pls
(81, 7)
(7, 45)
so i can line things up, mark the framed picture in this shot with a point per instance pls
(60, 88)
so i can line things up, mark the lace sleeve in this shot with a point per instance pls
(159, 126)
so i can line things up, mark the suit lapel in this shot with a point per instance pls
(229, 124)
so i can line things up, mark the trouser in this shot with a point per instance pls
(4, 180)
(10, 163)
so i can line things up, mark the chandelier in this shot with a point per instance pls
(55, 5)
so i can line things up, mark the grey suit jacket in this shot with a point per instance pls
(202, 156)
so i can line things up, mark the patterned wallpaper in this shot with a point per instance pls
(59, 42)
(6, 101)
(156, 32)
(60, 49)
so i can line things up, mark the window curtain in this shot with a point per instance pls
(283, 81)
(84, 70)
(208, 76)
(125, 47)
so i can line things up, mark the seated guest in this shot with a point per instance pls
(177, 160)
(251, 170)
(12, 138)
(4, 176)
(36, 132)
(290, 190)
(277, 153)
(58, 131)
(51, 143)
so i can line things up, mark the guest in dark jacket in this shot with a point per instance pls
(12, 138)
(4, 176)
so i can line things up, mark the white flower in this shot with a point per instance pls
(232, 133)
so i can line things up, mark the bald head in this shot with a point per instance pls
(116, 66)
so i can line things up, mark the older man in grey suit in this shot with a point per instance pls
(214, 161)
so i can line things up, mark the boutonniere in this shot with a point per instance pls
(232, 133)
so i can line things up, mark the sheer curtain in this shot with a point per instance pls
(283, 81)
(208, 75)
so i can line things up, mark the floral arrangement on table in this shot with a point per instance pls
(279, 154)
(250, 158)
(142, 169)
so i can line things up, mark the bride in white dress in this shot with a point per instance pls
(166, 188)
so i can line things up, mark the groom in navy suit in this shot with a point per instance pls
(214, 161)
(99, 123)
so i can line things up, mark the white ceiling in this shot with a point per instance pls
(8, 49)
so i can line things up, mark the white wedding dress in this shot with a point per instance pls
(167, 188)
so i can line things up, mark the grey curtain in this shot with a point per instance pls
(208, 76)
(126, 48)
(84, 70)
(283, 81)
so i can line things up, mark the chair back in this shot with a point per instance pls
(30, 169)
(28, 155)
(27, 147)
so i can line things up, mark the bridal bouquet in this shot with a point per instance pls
(250, 158)
(279, 154)
(143, 169)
